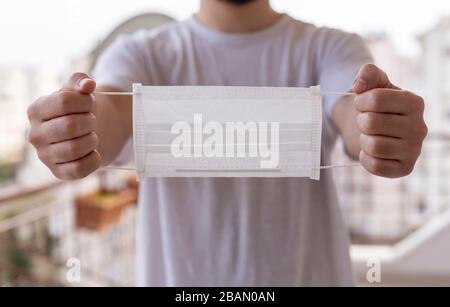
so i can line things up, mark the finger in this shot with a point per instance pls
(60, 104)
(384, 167)
(389, 101)
(72, 150)
(391, 125)
(385, 147)
(66, 128)
(78, 169)
(80, 83)
(370, 77)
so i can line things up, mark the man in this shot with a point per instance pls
(241, 231)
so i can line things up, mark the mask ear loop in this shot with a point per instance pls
(356, 164)
(322, 168)
(131, 94)
(327, 167)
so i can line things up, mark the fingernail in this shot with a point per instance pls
(361, 83)
(82, 82)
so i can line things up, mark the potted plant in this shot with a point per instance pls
(102, 208)
(11, 159)
(133, 185)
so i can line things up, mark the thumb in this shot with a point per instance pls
(371, 77)
(79, 82)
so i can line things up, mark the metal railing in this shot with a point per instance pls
(39, 247)
(41, 242)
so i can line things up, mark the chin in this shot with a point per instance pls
(238, 2)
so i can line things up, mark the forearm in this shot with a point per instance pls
(114, 124)
(344, 115)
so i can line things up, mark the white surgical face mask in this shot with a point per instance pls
(203, 131)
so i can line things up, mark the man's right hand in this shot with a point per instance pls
(62, 129)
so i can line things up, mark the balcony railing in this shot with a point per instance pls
(42, 235)
(41, 242)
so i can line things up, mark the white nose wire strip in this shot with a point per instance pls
(327, 167)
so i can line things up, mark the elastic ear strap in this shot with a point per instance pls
(340, 166)
(338, 94)
(131, 94)
(328, 167)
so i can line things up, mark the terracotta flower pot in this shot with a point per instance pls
(133, 185)
(99, 210)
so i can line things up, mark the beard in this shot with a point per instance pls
(238, 2)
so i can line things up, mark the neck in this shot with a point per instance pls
(251, 17)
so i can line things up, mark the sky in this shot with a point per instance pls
(48, 33)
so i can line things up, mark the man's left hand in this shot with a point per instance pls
(391, 124)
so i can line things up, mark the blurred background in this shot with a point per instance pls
(49, 228)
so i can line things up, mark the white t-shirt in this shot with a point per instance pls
(240, 231)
